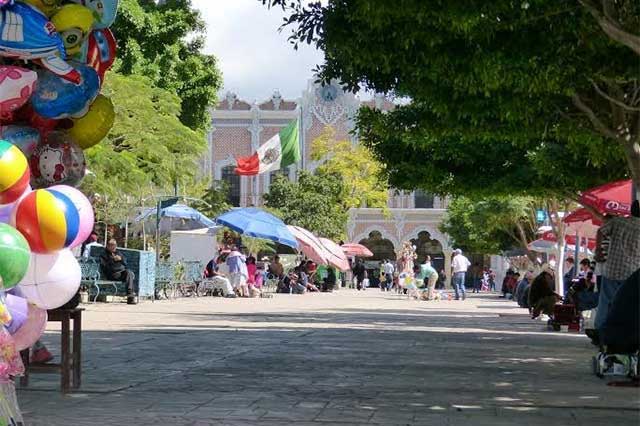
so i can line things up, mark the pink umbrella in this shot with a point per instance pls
(613, 198)
(310, 245)
(354, 249)
(337, 258)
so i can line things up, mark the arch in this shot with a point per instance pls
(385, 234)
(381, 247)
(434, 233)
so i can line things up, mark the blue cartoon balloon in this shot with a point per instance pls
(57, 98)
(24, 137)
(25, 33)
(104, 10)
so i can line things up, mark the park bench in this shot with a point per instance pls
(95, 285)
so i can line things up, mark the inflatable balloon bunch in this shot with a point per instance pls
(54, 55)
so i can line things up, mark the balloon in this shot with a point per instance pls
(14, 256)
(85, 212)
(57, 98)
(32, 328)
(89, 130)
(105, 10)
(51, 280)
(48, 219)
(48, 7)
(35, 38)
(24, 137)
(14, 173)
(74, 23)
(58, 161)
(5, 212)
(99, 51)
(16, 86)
(18, 308)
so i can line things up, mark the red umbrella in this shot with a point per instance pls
(613, 198)
(582, 222)
(570, 239)
(355, 249)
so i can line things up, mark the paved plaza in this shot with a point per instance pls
(344, 358)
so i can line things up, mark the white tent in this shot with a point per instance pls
(196, 245)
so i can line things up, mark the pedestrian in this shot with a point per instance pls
(114, 266)
(570, 267)
(492, 280)
(429, 276)
(359, 273)
(238, 272)
(459, 267)
(476, 275)
(618, 242)
(388, 274)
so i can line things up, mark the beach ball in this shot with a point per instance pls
(14, 172)
(48, 219)
(14, 256)
(51, 279)
(31, 329)
(57, 161)
(104, 10)
(73, 22)
(24, 137)
(56, 97)
(16, 86)
(85, 212)
(94, 126)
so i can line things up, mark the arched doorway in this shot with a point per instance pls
(425, 245)
(382, 249)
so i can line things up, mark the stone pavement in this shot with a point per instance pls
(345, 358)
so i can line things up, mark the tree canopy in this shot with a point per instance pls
(164, 42)
(362, 174)
(534, 96)
(313, 202)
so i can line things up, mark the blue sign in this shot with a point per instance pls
(541, 216)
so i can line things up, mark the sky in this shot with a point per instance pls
(254, 57)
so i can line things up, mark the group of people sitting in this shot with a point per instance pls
(608, 285)
(235, 275)
(307, 277)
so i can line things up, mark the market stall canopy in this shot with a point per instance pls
(176, 217)
(612, 198)
(355, 249)
(337, 258)
(582, 222)
(310, 245)
(590, 243)
(257, 223)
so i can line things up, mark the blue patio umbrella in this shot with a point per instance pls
(257, 223)
(189, 218)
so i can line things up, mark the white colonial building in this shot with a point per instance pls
(240, 127)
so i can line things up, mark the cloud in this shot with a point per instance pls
(254, 57)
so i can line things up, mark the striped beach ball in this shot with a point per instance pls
(14, 172)
(48, 219)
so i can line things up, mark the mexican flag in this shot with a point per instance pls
(277, 153)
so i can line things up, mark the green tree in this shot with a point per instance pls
(492, 225)
(313, 202)
(163, 42)
(148, 147)
(363, 175)
(504, 97)
(217, 198)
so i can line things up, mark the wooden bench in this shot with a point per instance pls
(92, 280)
(70, 366)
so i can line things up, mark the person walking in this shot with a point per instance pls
(388, 274)
(359, 272)
(459, 266)
(476, 275)
(430, 277)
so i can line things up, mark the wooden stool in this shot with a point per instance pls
(70, 353)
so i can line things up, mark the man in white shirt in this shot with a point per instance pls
(459, 266)
(388, 274)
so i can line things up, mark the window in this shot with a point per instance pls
(423, 199)
(233, 180)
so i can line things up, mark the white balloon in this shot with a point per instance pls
(52, 279)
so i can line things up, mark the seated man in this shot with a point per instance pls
(542, 297)
(114, 267)
(522, 290)
(216, 273)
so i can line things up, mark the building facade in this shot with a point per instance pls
(240, 127)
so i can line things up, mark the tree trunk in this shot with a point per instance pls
(632, 152)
